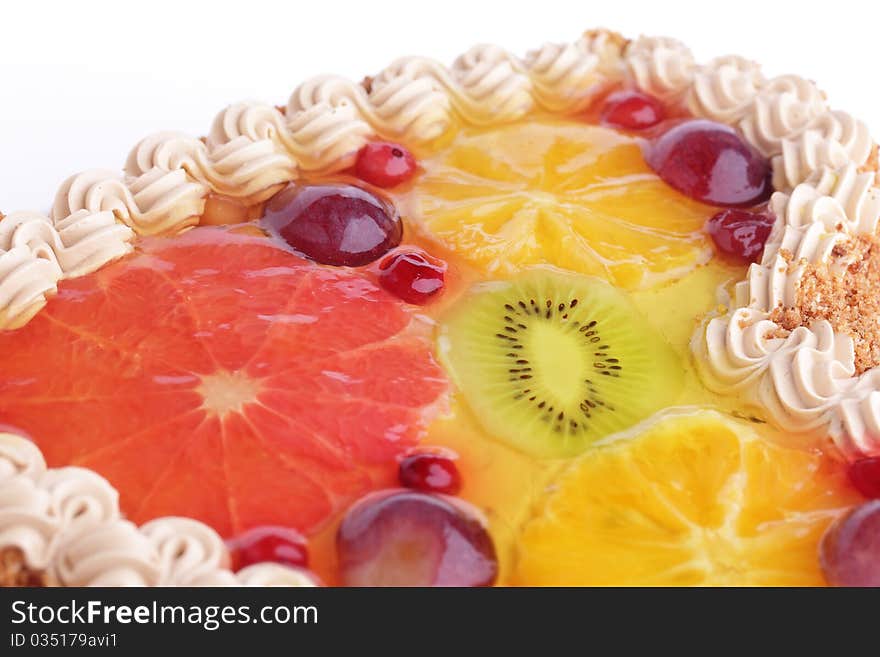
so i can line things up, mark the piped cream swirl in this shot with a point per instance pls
(661, 66)
(111, 554)
(832, 197)
(25, 521)
(19, 456)
(242, 167)
(153, 202)
(254, 120)
(493, 84)
(327, 122)
(783, 109)
(799, 379)
(189, 553)
(410, 99)
(724, 89)
(38, 507)
(830, 141)
(566, 76)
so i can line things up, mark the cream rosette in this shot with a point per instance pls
(661, 66)
(25, 521)
(832, 140)
(38, 507)
(566, 76)
(189, 553)
(724, 89)
(783, 109)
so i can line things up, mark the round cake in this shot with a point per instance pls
(598, 315)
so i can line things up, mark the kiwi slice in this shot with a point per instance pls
(551, 362)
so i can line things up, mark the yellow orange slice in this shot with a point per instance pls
(564, 193)
(695, 500)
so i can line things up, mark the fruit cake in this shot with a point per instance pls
(599, 315)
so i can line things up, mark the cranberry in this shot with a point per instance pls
(865, 476)
(711, 163)
(412, 276)
(632, 110)
(270, 543)
(384, 164)
(740, 233)
(334, 224)
(429, 472)
(850, 550)
(408, 538)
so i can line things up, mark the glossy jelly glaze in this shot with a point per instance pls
(256, 388)
(466, 188)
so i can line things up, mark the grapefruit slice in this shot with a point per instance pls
(221, 377)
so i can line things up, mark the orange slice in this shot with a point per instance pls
(695, 500)
(220, 377)
(563, 193)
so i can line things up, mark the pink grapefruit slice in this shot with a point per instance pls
(220, 377)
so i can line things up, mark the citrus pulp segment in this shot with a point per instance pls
(577, 196)
(693, 500)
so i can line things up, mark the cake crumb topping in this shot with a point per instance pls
(14, 570)
(843, 292)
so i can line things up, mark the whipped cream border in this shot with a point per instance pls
(67, 523)
(252, 149)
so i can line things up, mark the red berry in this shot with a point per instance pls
(412, 276)
(408, 538)
(865, 476)
(850, 550)
(384, 165)
(277, 544)
(740, 233)
(334, 224)
(711, 163)
(429, 472)
(632, 110)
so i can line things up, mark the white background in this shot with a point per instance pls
(81, 81)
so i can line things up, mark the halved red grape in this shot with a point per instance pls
(384, 164)
(408, 538)
(430, 472)
(740, 233)
(334, 224)
(711, 163)
(282, 545)
(850, 550)
(413, 276)
(632, 110)
(865, 476)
